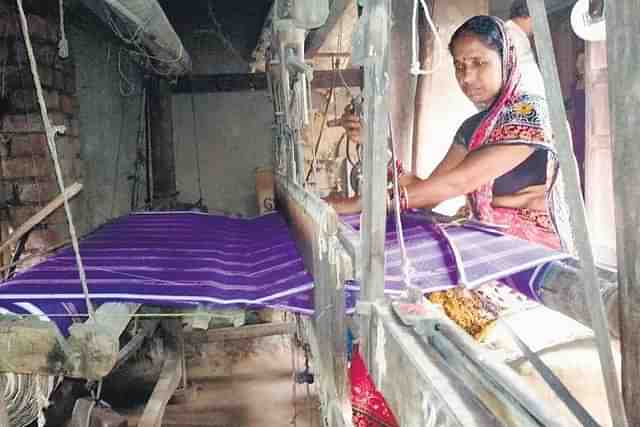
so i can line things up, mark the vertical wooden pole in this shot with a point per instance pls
(623, 47)
(162, 150)
(564, 148)
(376, 124)
(403, 84)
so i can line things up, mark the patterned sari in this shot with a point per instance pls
(369, 407)
(517, 118)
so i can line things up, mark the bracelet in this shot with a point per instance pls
(404, 199)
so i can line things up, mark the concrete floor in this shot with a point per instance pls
(568, 348)
(243, 383)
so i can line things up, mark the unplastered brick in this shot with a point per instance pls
(41, 239)
(29, 122)
(67, 104)
(40, 28)
(26, 100)
(30, 191)
(25, 167)
(8, 25)
(24, 144)
(21, 78)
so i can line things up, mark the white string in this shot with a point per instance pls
(63, 44)
(51, 132)
(128, 88)
(138, 50)
(413, 292)
(42, 401)
(438, 51)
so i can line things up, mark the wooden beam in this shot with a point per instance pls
(169, 379)
(623, 51)
(421, 384)
(325, 79)
(376, 126)
(163, 163)
(96, 342)
(562, 291)
(211, 83)
(33, 346)
(573, 195)
(311, 221)
(70, 192)
(316, 38)
(243, 332)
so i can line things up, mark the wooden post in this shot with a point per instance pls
(314, 226)
(623, 47)
(169, 378)
(162, 150)
(376, 124)
(579, 224)
(33, 346)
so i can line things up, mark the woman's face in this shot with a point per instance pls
(478, 70)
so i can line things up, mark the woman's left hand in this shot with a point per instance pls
(344, 205)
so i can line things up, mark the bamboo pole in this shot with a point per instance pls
(579, 224)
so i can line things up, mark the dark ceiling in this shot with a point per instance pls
(241, 21)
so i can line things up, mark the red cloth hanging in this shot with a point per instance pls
(369, 407)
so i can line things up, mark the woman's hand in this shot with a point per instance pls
(344, 205)
(351, 123)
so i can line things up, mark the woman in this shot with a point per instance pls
(502, 158)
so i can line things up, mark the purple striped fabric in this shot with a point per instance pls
(486, 255)
(188, 260)
(181, 260)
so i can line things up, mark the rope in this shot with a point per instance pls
(135, 40)
(219, 32)
(196, 141)
(63, 44)
(415, 61)
(25, 395)
(412, 292)
(51, 132)
(322, 127)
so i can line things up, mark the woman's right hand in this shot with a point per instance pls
(351, 123)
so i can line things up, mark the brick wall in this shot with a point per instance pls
(27, 177)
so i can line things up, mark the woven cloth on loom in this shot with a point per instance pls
(485, 254)
(177, 259)
(187, 260)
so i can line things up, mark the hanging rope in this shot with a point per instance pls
(415, 61)
(196, 143)
(51, 132)
(413, 293)
(25, 395)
